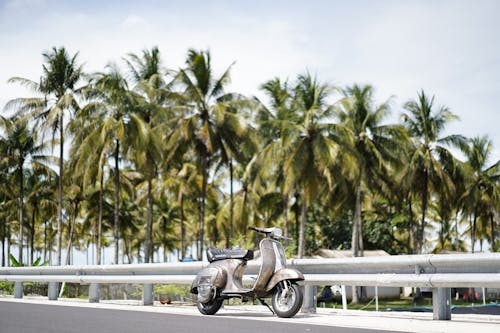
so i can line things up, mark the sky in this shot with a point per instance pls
(450, 49)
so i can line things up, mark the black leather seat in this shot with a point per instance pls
(214, 254)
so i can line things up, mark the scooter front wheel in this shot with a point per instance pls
(211, 307)
(287, 299)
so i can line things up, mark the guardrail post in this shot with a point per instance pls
(147, 294)
(53, 291)
(441, 303)
(344, 298)
(18, 289)
(94, 293)
(309, 302)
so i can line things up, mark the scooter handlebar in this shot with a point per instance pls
(270, 231)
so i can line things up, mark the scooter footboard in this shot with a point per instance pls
(284, 274)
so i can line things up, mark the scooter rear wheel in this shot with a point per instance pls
(211, 307)
(287, 301)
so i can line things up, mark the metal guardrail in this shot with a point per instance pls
(440, 272)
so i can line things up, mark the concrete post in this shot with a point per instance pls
(53, 291)
(18, 289)
(376, 298)
(94, 293)
(441, 303)
(309, 302)
(147, 294)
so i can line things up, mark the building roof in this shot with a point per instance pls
(326, 253)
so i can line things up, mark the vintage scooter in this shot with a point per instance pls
(222, 278)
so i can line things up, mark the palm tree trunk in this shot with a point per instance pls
(45, 241)
(164, 232)
(355, 224)
(71, 232)
(412, 241)
(8, 245)
(149, 225)
(204, 171)
(21, 212)
(3, 242)
(231, 200)
(492, 240)
(424, 211)
(297, 215)
(60, 191)
(302, 226)
(183, 229)
(32, 238)
(356, 236)
(99, 220)
(456, 230)
(473, 231)
(128, 252)
(285, 214)
(360, 227)
(117, 202)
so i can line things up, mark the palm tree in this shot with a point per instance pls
(374, 145)
(151, 119)
(89, 157)
(309, 150)
(425, 125)
(482, 194)
(58, 85)
(21, 147)
(273, 123)
(209, 127)
(111, 103)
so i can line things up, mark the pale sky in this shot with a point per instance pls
(449, 48)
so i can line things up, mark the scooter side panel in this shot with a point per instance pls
(284, 274)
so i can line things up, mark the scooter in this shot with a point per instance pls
(222, 278)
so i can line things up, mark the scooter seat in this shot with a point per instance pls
(214, 254)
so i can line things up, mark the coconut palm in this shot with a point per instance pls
(482, 194)
(209, 127)
(58, 87)
(21, 147)
(89, 160)
(152, 119)
(184, 182)
(309, 150)
(111, 105)
(272, 124)
(425, 125)
(375, 146)
(41, 202)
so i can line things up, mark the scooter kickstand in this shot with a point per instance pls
(267, 305)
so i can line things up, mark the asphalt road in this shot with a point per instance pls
(36, 318)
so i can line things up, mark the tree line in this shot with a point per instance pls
(146, 159)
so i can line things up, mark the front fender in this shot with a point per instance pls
(284, 274)
(214, 276)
